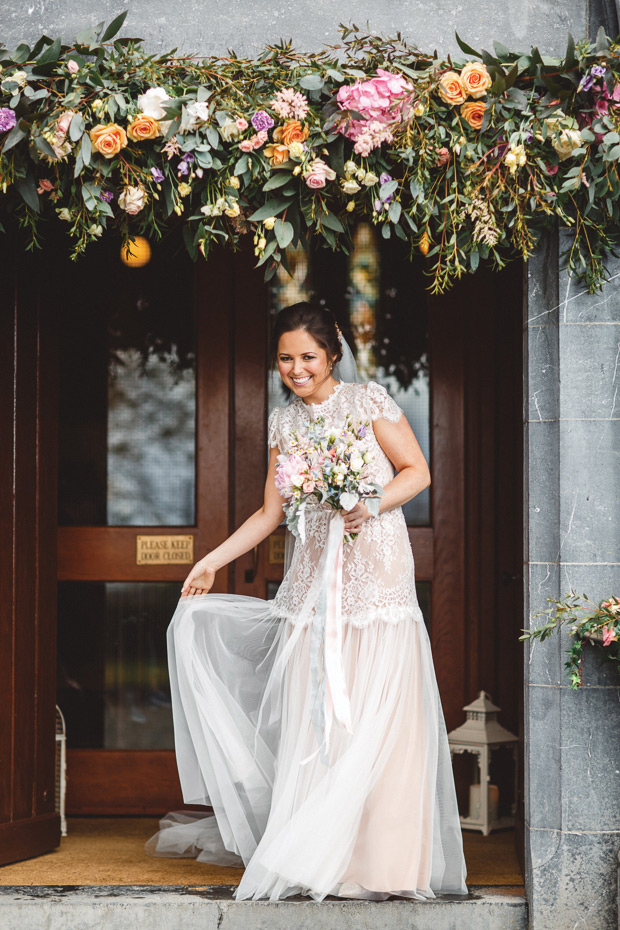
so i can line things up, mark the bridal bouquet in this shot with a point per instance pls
(329, 465)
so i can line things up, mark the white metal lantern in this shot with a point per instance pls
(61, 769)
(480, 735)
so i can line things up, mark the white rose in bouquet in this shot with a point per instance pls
(348, 500)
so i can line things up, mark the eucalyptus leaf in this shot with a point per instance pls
(332, 222)
(76, 127)
(27, 189)
(114, 27)
(312, 81)
(284, 233)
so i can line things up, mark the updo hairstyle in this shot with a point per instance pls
(317, 321)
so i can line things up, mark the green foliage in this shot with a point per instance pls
(462, 187)
(590, 623)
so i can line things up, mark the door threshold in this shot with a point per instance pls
(212, 907)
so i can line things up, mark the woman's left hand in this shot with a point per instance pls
(355, 519)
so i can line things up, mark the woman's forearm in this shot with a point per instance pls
(256, 528)
(405, 485)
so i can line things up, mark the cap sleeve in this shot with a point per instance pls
(380, 404)
(273, 433)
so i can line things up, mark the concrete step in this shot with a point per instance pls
(171, 907)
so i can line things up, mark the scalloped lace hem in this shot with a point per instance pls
(367, 618)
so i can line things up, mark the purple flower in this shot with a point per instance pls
(108, 196)
(378, 206)
(362, 431)
(586, 82)
(385, 177)
(261, 121)
(7, 119)
(158, 175)
(182, 168)
(188, 158)
(597, 70)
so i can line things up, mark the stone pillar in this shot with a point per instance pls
(572, 540)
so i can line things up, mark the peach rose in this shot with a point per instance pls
(293, 131)
(475, 79)
(473, 112)
(277, 154)
(143, 127)
(108, 140)
(451, 89)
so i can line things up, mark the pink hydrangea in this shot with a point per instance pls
(377, 98)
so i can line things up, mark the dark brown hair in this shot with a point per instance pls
(316, 321)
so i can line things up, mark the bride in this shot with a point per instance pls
(366, 807)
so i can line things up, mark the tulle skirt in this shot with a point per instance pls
(377, 817)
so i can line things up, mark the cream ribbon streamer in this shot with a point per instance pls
(329, 699)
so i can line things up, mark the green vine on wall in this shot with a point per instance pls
(467, 160)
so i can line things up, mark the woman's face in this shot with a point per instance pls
(303, 364)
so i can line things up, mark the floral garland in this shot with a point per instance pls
(596, 624)
(467, 160)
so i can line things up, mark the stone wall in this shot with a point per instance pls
(572, 485)
(211, 27)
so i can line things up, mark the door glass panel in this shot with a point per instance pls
(378, 298)
(112, 668)
(127, 392)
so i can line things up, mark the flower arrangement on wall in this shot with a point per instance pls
(585, 621)
(467, 160)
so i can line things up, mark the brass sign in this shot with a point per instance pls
(276, 550)
(164, 550)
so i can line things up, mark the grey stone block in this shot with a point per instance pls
(580, 307)
(543, 660)
(572, 880)
(590, 370)
(590, 492)
(543, 490)
(542, 283)
(542, 756)
(126, 908)
(543, 373)
(209, 27)
(590, 757)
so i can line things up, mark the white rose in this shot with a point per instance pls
(568, 140)
(348, 500)
(207, 209)
(229, 130)
(370, 179)
(270, 222)
(297, 481)
(64, 214)
(340, 468)
(339, 479)
(350, 168)
(296, 150)
(368, 458)
(350, 187)
(132, 200)
(197, 112)
(96, 229)
(357, 462)
(150, 103)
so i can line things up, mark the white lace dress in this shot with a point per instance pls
(381, 816)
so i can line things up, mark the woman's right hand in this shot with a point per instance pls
(199, 581)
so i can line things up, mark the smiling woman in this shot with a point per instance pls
(312, 722)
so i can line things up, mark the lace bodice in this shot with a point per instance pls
(378, 573)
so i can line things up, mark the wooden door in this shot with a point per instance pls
(29, 824)
(119, 575)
